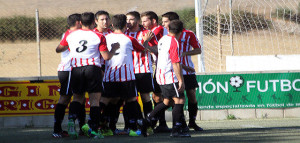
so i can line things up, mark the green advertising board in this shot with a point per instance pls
(239, 91)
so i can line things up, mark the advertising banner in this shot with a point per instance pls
(257, 90)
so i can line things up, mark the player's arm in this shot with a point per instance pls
(194, 42)
(60, 48)
(178, 72)
(146, 38)
(176, 65)
(187, 68)
(109, 54)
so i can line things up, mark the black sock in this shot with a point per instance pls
(102, 108)
(161, 117)
(132, 114)
(177, 114)
(81, 115)
(95, 117)
(107, 111)
(59, 115)
(147, 108)
(193, 109)
(157, 110)
(125, 116)
(74, 110)
(139, 111)
(113, 118)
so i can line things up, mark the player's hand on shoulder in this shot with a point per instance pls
(148, 36)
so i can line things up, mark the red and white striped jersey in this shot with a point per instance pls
(65, 60)
(159, 32)
(120, 67)
(167, 54)
(102, 61)
(141, 59)
(85, 47)
(187, 40)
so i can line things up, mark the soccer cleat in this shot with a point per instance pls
(121, 132)
(150, 131)
(133, 133)
(195, 127)
(107, 132)
(60, 134)
(96, 135)
(162, 129)
(179, 135)
(71, 129)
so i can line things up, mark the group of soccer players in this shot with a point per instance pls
(113, 66)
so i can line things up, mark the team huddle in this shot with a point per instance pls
(113, 66)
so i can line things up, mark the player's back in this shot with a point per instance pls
(84, 47)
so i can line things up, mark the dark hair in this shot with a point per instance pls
(73, 18)
(87, 18)
(135, 14)
(171, 15)
(151, 15)
(175, 26)
(119, 21)
(101, 12)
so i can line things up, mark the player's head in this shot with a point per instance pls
(175, 27)
(168, 17)
(133, 19)
(88, 19)
(149, 19)
(119, 22)
(74, 20)
(102, 19)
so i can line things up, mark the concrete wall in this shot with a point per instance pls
(204, 115)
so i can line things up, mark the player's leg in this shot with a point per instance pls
(190, 86)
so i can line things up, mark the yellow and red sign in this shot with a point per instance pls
(25, 98)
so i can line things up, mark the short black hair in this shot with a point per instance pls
(73, 18)
(151, 15)
(135, 14)
(87, 18)
(119, 21)
(171, 15)
(175, 26)
(101, 12)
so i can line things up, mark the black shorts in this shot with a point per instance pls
(190, 81)
(124, 90)
(86, 79)
(64, 78)
(171, 90)
(144, 82)
(156, 85)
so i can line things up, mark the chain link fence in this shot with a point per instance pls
(259, 27)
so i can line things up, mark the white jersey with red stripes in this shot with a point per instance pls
(187, 40)
(65, 60)
(167, 54)
(85, 47)
(120, 67)
(102, 61)
(141, 60)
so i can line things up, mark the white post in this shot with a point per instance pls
(199, 33)
(231, 28)
(38, 41)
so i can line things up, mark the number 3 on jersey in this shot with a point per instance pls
(83, 46)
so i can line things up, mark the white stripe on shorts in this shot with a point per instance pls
(177, 94)
(69, 80)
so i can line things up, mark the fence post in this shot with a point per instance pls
(231, 28)
(38, 41)
(199, 33)
(219, 36)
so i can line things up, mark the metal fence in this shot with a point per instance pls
(230, 27)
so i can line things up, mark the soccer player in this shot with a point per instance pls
(119, 78)
(187, 40)
(169, 77)
(85, 48)
(142, 60)
(64, 74)
(150, 22)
